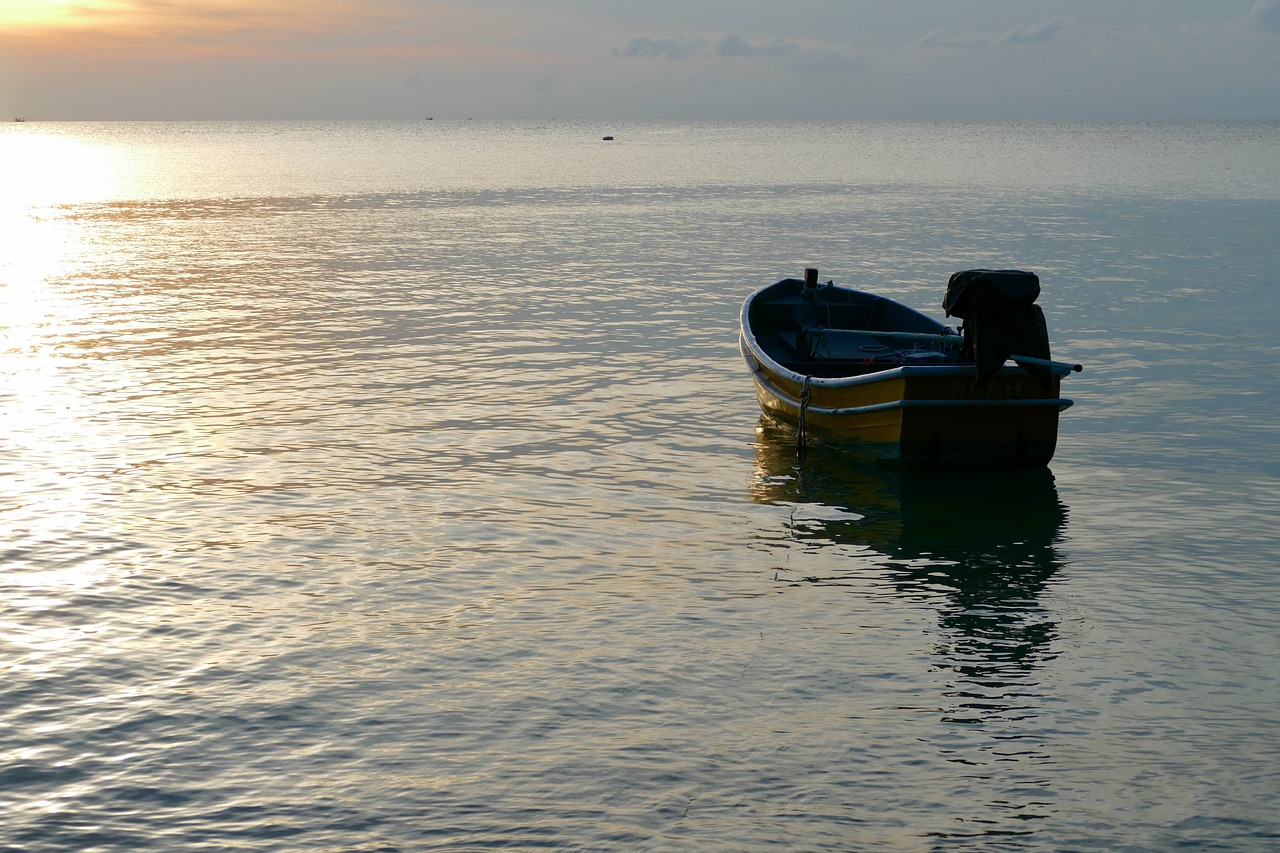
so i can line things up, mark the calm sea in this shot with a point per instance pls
(399, 487)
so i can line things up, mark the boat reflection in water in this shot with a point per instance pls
(981, 546)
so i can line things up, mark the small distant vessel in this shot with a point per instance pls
(848, 364)
(607, 138)
(19, 119)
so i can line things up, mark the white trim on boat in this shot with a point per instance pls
(1059, 402)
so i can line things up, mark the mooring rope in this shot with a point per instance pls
(801, 441)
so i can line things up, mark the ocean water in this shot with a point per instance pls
(399, 487)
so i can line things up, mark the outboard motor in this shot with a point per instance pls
(1000, 319)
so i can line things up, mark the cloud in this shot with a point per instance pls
(656, 48)
(731, 45)
(1034, 34)
(1041, 33)
(1264, 16)
(735, 45)
(942, 38)
(792, 56)
(789, 55)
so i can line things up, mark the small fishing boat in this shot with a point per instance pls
(845, 364)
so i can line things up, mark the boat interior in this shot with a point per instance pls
(828, 331)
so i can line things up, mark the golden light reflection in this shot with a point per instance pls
(56, 443)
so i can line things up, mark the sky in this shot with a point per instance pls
(1025, 60)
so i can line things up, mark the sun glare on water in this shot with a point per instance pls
(48, 385)
(43, 168)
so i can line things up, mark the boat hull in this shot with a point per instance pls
(925, 415)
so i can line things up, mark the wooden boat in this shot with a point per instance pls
(846, 364)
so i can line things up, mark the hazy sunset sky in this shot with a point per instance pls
(638, 59)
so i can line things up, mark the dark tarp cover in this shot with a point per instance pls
(1000, 318)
